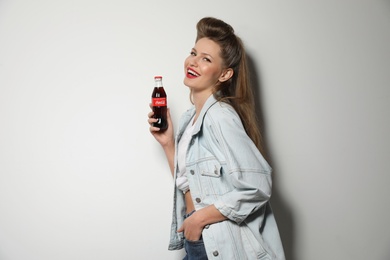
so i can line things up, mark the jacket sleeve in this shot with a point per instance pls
(246, 168)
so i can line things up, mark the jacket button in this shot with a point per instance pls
(192, 172)
(198, 200)
(207, 226)
(215, 253)
(216, 172)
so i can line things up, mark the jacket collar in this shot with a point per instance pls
(209, 103)
(191, 112)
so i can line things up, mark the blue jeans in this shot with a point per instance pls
(195, 249)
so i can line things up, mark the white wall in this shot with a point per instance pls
(75, 151)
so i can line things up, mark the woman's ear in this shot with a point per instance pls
(226, 75)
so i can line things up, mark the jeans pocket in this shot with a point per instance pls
(195, 249)
(195, 242)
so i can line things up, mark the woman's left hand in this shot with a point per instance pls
(194, 224)
(191, 227)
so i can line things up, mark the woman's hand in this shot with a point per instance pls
(192, 228)
(194, 224)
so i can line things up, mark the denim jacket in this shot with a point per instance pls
(226, 169)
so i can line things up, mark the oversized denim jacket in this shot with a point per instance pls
(226, 169)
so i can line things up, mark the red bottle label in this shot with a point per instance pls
(159, 102)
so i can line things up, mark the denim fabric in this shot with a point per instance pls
(225, 169)
(195, 250)
(189, 214)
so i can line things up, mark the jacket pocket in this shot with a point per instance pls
(212, 178)
(210, 169)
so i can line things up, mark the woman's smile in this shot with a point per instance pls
(192, 73)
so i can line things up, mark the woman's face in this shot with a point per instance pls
(204, 66)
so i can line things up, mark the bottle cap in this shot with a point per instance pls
(157, 77)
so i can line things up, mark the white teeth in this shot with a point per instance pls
(193, 73)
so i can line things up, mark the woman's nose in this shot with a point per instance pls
(193, 61)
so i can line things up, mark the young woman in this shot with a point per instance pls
(223, 183)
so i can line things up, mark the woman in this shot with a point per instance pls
(223, 183)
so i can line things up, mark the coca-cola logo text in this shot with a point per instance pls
(159, 102)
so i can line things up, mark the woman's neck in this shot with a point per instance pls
(199, 100)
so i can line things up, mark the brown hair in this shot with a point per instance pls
(237, 91)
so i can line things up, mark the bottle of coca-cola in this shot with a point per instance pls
(159, 104)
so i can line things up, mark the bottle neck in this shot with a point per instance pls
(158, 83)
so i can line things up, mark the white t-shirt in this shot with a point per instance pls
(181, 179)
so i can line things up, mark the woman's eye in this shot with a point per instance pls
(193, 53)
(207, 59)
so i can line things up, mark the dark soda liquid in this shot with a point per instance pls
(159, 105)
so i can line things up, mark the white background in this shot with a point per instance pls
(82, 178)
